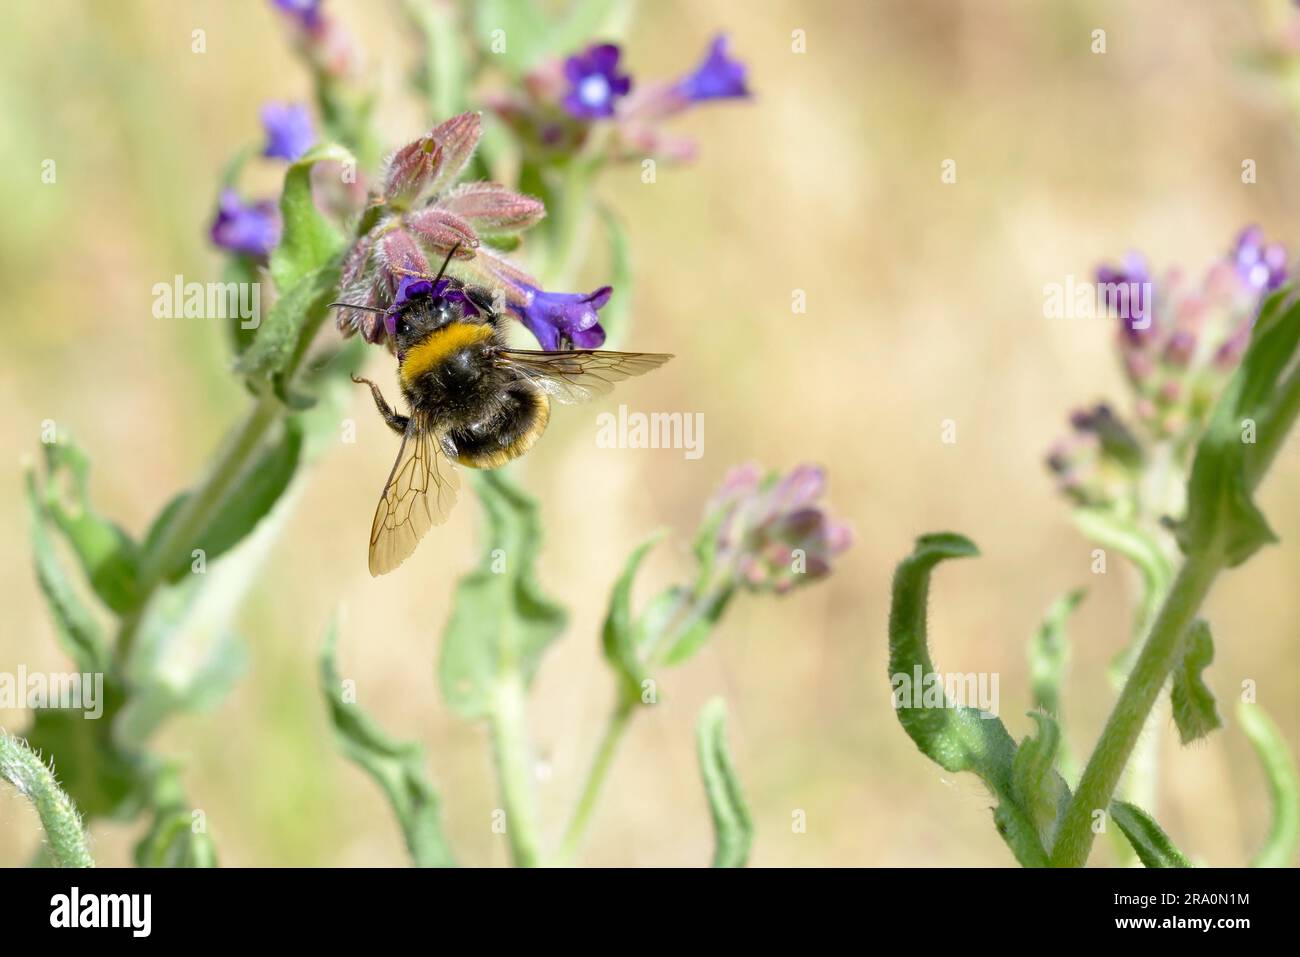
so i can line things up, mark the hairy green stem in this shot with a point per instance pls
(508, 720)
(28, 773)
(1145, 681)
(615, 728)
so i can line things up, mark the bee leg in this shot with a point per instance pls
(484, 301)
(395, 422)
(566, 344)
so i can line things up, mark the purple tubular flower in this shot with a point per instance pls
(307, 12)
(1261, 266)
(558, 319)
(769, 533)
(289, 132)
(252, 229)
(1125, 289)
(594, 82)
(718, 77)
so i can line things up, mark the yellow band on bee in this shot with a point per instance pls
(439, 344)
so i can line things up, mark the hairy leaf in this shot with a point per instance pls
(1252, 416)
(1283, 786)
(108, 556)
(619, 637)
(501, 622)
(955, 738)
(733, 829)
(1193, 702)
(309, 239)
(1153, 846)
(396, 766)
(77, 629)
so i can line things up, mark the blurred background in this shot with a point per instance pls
(924, 303)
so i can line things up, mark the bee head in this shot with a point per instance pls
(422, 306)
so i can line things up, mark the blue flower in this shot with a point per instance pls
(307, 12)
(289, 132)
(594, 82)
(717, 78)
(563, 319)
(1260, 266)
(252, 229)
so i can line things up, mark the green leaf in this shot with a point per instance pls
(619, 637)
(1222, 516)
(1049, 653)
(1039, 789)
(242, 270)
(501, 622)
(28, 773)
(171, 841)
(108, 556)
(101, 778)
(1283, 786)
(733, 829)
(309, 240)
(285, 331)
(522, 30)
(396, 766)
(251, 498)
(78, 632)
(955, 738)
(616, 316)
(1193, 702)
(1153, 846)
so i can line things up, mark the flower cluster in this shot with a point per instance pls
(424, 216)
(561, 101)
(1179, 341)
(768, 533)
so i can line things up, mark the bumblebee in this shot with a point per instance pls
(473, 400)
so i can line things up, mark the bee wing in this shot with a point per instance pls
(420, 492)
(576, 375)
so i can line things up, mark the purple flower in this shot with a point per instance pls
(1260, 266)
(561, 319)
(252, 229)
(1126, 291)
(307, 12)
(594, 82)
(289, 132)
(717, 78)
(768, 532)
(413, 287)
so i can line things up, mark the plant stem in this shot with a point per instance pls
(28, 773)
(1153, 666)
(507, 720)
(181, 534)
(615, 728)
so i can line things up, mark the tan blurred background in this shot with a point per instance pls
(924, 304)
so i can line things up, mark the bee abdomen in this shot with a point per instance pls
(521, 421)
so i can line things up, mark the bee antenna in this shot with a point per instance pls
(353, 305)
(446, 262)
